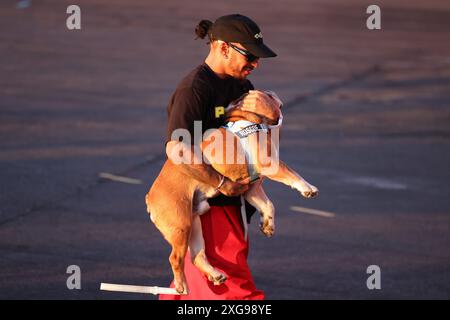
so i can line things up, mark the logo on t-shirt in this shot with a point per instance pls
(219, 111)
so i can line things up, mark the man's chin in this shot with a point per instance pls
(243, 75)
(246, 73)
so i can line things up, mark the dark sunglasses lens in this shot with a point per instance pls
(251, 58)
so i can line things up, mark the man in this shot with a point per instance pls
(236, 46)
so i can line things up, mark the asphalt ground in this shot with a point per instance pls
(367, 117)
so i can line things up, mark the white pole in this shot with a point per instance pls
(137, 289)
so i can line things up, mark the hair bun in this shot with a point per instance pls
(202, 28)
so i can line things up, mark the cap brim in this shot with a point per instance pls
(260, 50)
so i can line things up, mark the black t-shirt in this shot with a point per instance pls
(203, 96)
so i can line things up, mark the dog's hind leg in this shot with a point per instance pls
(198, 255)
(179, 241)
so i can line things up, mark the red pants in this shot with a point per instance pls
(226, 250)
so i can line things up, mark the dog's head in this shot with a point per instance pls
(234, 110)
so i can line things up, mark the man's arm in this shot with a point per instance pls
(191, 164)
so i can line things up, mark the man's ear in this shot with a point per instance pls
(224, 49)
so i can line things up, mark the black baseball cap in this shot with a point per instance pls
(241, 29)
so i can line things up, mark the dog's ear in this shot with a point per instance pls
(275, 97)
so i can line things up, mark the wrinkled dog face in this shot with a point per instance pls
(238, 102)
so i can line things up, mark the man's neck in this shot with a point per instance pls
(216, 66)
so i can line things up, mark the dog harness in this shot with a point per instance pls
(243, 129)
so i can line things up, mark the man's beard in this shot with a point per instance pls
(245, 72)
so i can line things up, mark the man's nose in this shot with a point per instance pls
(255, 63)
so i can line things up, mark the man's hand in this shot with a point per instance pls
(262, 104)
(232, 189)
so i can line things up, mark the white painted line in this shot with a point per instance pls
(113, 177)
(137, 289)
(23, 4)
(375, 182)
(315, 212)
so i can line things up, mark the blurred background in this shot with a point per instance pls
(367, 115)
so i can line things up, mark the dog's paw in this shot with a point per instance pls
(267, 226)
(181, 287)
(308, 190)
(217, 277)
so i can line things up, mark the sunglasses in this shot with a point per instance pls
(250, 57)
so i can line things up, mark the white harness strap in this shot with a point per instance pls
(242, 129)
(244, 217)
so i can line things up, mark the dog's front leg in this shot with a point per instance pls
(291, 178)
(258, 198)
(268, 164)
